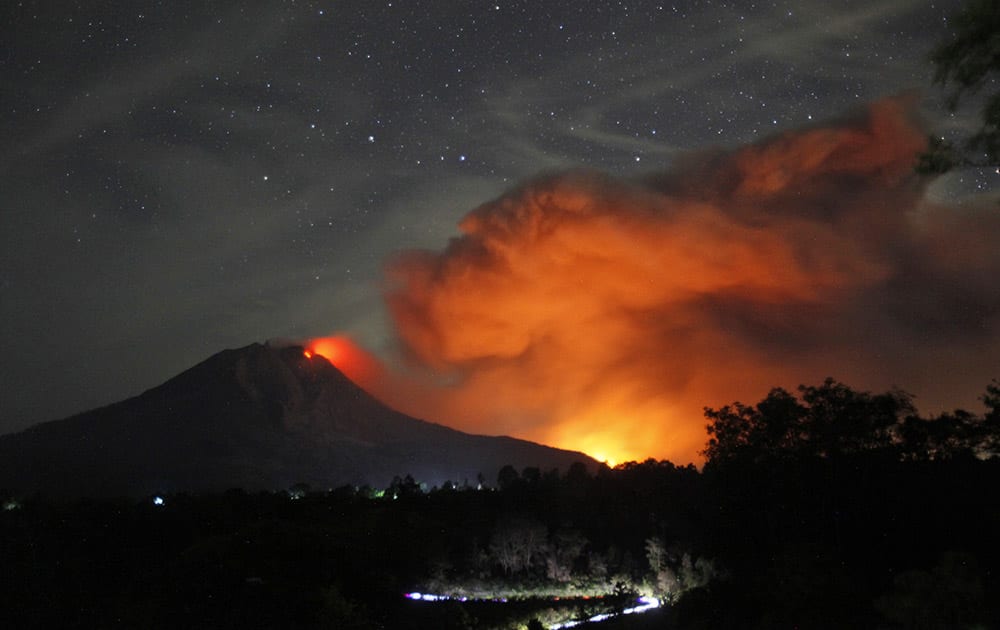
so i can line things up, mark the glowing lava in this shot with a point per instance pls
(330, 348)
(354, 361)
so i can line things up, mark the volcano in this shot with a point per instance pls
(258, 418)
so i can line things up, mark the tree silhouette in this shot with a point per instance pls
(830, 420)
(515, 542)
(833, 420)
(991, 421)
(740, 431)
(564, 547)
(507, 477)
(531, 475)
(840, 420)
(964, 64)
(403, 487)
(946, 436)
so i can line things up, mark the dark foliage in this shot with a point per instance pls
(846, 509)
(832, 420)
(965, 63)
(819, 510)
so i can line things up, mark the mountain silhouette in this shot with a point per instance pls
(257, 418)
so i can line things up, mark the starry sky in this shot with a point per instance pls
(182, 177)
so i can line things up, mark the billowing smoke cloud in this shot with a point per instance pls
(603, 314)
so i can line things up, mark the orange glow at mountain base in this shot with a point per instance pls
(425, 397)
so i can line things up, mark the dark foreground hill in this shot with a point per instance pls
(258, 417)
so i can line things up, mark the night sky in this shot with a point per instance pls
(182, 177)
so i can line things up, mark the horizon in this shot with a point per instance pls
(357, 365)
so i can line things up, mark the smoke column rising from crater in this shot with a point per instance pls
(602, 314)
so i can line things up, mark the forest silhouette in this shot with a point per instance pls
(831, 508)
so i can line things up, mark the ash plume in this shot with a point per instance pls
(602, 314)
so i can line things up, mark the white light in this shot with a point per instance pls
(645, 602)
(157, 500)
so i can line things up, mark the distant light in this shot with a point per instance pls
(157, 500)
(307, 354)
(646, 603)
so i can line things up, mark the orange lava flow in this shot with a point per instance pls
(354, 361)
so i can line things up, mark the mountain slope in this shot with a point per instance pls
(258, 418)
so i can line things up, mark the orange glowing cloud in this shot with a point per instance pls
(601, 314)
